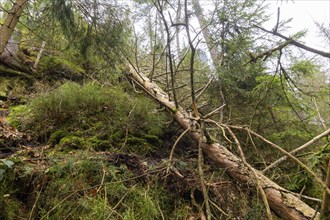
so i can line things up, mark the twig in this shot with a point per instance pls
(287, 98)
(266, 54)
(126, 129)
(241, 153)
(256, 149)
(59, 203)
(113, 210)
(219, 126)
(170, 159)
(201, 173)
(102, 181)
(319, 114)
(295, 151)
(213, 112)
(160, 211)
(204, 88)
(309, 171)
(278, 19)
(35, 202)
(258, 185)
(325, 209)
(302, 196)
(217, 207)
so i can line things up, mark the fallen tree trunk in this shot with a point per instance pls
(281, 202)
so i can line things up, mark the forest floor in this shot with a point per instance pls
(45, 181)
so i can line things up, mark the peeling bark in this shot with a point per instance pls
(282, 203)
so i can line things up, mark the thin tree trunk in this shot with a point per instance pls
(39, 55)
(206, 32)
(216, 56)
(284, 204)
(325, 210)
(177, 28)
(10, 23)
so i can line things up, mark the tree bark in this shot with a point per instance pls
(283, 203)
(10, 23)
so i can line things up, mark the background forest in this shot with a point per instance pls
(159, 109)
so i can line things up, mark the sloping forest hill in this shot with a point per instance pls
(160, 110)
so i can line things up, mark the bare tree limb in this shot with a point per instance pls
(309, 171)
(294, 152)
(170, 159)
(267, 53)
(325, 210)
(201, 171)
(296, 43)
(258, 185)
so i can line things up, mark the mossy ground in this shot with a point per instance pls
(101, 153)
(87, 166)
(84, 185)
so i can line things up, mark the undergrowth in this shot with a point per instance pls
(89, 168)
(92, 116)
(86, 186)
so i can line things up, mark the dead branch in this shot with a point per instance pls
(295, 43)
(201, 172)
(266, 54)
(258, 185)
(213, 112)
(204, 88)
(309, 171)
(297, 150)
(192, 61)
(169, 50)
(325, 210)
(170, 159)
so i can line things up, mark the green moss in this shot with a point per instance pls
(72, 143)
(84, 185)
(60, 67)
(57, 136)
(11, 208)
(98, 144)
(18, 116)
(91, 116)
(139, 146)
(152, 139)
(117, 136)
(7, 72)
